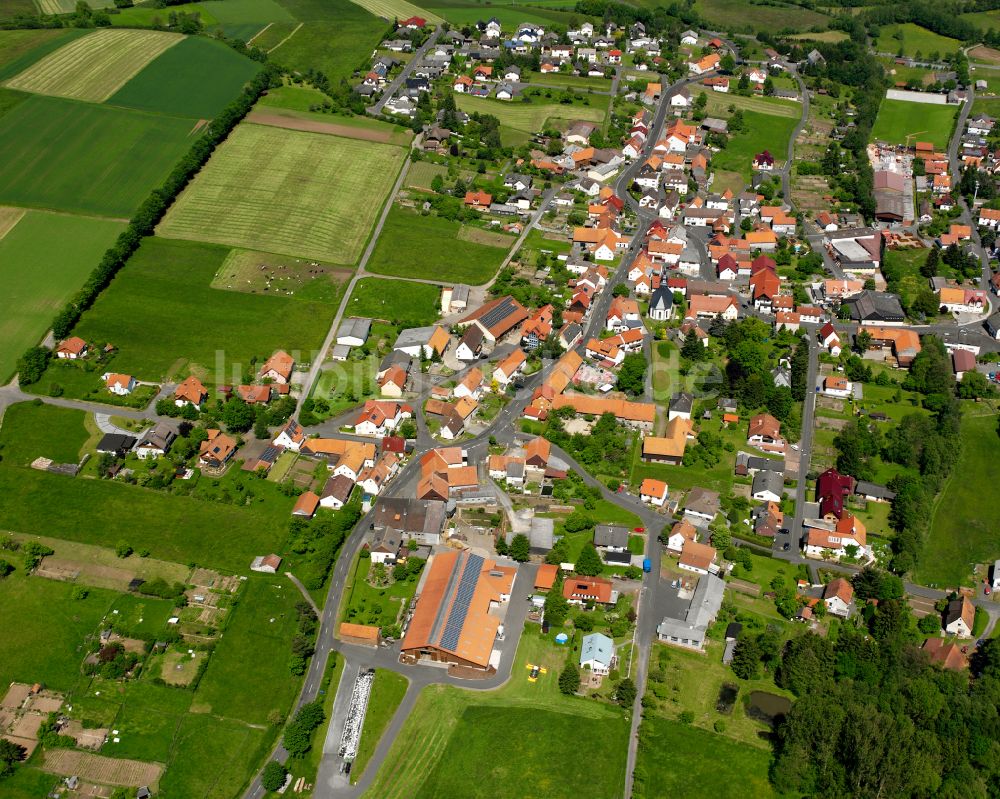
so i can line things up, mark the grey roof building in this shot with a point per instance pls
(766, 484)
(690, 631)
(611, 535)
(875, 306)
(354, 331)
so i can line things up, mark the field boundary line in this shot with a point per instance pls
(289, 36)
(258, 33)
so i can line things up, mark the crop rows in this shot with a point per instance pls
(95, 66)
(304, 194)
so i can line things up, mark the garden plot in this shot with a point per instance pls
(105, 770)
(95, 66)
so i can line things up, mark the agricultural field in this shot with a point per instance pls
(361, 128)
(409, 304)
(984, 20)
(87, 159)
(763, 132)
(508, 16)
(336, 37)
(727, 14)
(397, 9)
(567, 747)
(432, 248)
(172, 528)
(304, 194)
(44, 257)
(962, 530)
(902, 122)
(152, 344)
(913, 39)
(14, 7)
(95, 66)
(672, 758)
(822, 36)
(19, 49)
(30, 431)
(48, 648)
(196, 78)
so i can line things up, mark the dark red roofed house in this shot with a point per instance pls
(763, 161)
(413, 23)
(832, 488)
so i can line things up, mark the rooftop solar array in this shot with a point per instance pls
(460, 607)
(498, 314)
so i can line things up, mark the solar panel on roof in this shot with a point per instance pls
(270, 454)
(460, 607)
(497, 314)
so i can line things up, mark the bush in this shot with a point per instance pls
(273, 776)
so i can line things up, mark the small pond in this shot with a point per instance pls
(766, 707)
(727, 697)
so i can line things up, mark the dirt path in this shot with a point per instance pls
(289, 36)
(276, 120)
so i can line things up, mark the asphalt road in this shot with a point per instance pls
(390, 90)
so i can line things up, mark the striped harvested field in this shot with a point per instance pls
(105, 770)
(287, 191)
(95, 66)
(762, 105)
(397, 9)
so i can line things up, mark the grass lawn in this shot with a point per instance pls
(443, 751)
(388, 690)
(94, 66)
(285, 191)
(509, 16)
(85, 158)
(531, 117)
(148, 721)
(962, 529)
(907, 264)
(260, 632)
(914, 39)
(196, 78)
(44, 258)
(180, 529)
(672, 758)
(30, 431)
(241, 325)
(69, 379)
(560, 80)
(365, 604)
(763, 132)
(902, 122)
(19, 49)
(397, 301)
(729, 14)
(429, 247)
(213, 757)
(45, 628)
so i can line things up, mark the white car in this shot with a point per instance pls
(795, 447)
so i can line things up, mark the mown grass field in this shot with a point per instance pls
(239, 326)
(182, 529)
(196, 78)
(292, 192)
(95, 66)
(29, 431)
(914, 39)
(902, 122)
(43, 260)
(531, 117)
(728, 14)
(88, 159)
(763, 132)
(19, 49)
(508, 17)
(673, 757)
(429, 247)
(554, 746)
(962, 529)
(260, 632)
(409, 304)
(397, 9)
(720, 103)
